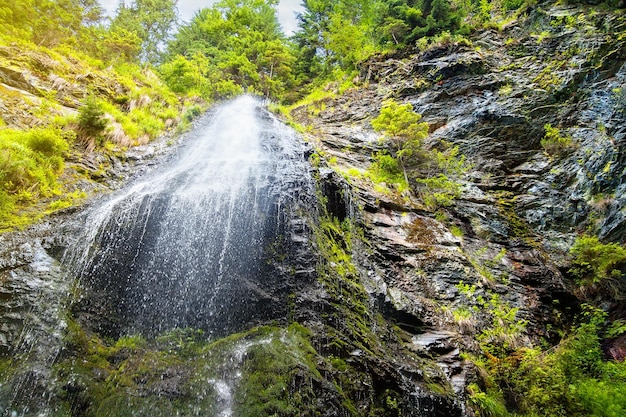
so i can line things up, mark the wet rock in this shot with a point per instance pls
(520, 208)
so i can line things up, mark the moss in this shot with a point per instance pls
(517, 228)
(278, 376)
(6, 367)
(269, 370)
(339, 276)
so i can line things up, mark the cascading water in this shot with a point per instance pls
(208, 241)
(191, 245)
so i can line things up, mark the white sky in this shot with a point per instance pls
(186, 8)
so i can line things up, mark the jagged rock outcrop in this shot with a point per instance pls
(383, 292)
(447, 278)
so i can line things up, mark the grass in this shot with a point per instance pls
(125, 105)
(554, 143)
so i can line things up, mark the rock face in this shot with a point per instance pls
(493, 267)
(379, 293)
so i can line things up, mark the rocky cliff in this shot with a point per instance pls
(388, 295)
(493, 268)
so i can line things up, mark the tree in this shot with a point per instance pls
(152, 21)
(403, 130)
(334, 33)
(241, 44)
(309, 41)
(49, 22)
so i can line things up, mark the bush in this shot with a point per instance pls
(400, 122)
(571, 379)
(49, 142)
(598, 268)
(31, 160)
(403, 131)
(191, 113)
(30, 163)
(386, 169)
(554, 143)
(147, 122)
(91, 118)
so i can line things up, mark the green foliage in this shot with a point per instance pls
(506, 326)
(403, 131)
(268, 370)
(183, 76)
(572, 379)
(91, 120)
(400, 121)
(49, 22)
(438, 191)
(437, 187)
(595, 261)
(30, 164)
(347, 42)
(151, 21)
(403, 135)
(31, 160)
(386, 169)
(487, 404)
(271, 369)
(192, 112)
(51, 143)
(235, 45)
(598, 268)
(554, 143)
(333, 34)
(404, 22)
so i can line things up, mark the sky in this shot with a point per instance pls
(186, 8)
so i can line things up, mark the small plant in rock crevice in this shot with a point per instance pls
(599, 267)
(554, 143)
(403, 131)
(92, 121)
(405, 164)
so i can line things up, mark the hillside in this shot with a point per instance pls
(76, 117)
(493, 248)
(441, 232)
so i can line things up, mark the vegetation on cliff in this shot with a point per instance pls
(577, 369)
(71, 85)
(75, 84)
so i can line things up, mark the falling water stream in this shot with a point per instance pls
(196, 242)
(191, 245)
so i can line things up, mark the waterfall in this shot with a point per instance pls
(190, 245)
(206, 240)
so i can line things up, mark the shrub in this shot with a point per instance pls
(572, 379)
(598, 267)
(191, 113)
(438, 191)
(399, 122)
(183, 76)
(148, 123)
(554, 143)
(595, 261)
(402, 129)
(91, 118)
(51, 145)
(386, 169)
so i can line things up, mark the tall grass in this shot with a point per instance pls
(30, 164)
